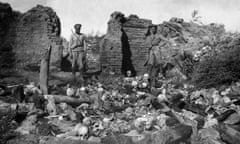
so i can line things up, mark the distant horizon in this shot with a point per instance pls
(94, 14)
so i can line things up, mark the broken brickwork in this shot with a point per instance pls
(24, 36)
(132, 31)
(188, 36)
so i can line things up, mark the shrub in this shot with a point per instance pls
(221, 66)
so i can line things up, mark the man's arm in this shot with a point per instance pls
(167, 40)
(84, 43)
(163, 38)
(70, 46)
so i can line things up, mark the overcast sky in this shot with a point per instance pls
(94, 14)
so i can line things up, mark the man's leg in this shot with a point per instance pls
(150, 72)
(160, 69)
(80, 66)
(155, 71)
(74, 63)
(149, 69)
(153, 76)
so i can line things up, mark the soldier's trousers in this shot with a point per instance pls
(77, 61)
(153, 72)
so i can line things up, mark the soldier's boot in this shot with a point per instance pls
(149, 67)
(149, 71)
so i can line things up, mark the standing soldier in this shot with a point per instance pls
(154, 62)
(77, 49)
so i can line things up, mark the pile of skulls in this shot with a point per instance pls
(136, 82)
(140, 112)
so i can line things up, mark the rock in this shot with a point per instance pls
(94, 139)
(229, 134)
(25, 139)
(117, 139)
(28, 125)
(51, 106)
(54, 140)
(233, 119)
(209, 133)
(135, 135)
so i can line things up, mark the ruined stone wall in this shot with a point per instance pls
(6, 17)
(28, 34)
(111, 54)
(187, 36)
(136, 29)
(124, 32)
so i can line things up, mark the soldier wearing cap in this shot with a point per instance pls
(77, 49)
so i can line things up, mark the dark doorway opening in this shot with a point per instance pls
(126, 55)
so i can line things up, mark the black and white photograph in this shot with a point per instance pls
(119, 71)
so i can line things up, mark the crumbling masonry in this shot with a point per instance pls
(24, 36)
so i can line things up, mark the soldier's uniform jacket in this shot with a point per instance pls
(77, 42)
(155, 55)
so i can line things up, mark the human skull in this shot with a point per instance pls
(161, 121)
(82, 109)
(32, 84)
(82, 131)
(197, 55)
(146, 76)
(97, 128)
(114, 93)
(144, 84)
(129, 73)
(226, 92)
(138, 78)
(140, 124)
(134, 83)
(215, 97)
(28, 89)
(82, 89)
(129, 111)
(107, 121)
(162, 97)
(210, 121)
(100, 89)
(226, 99)
(149, 123)
(99, 84)
(51, 106)
(105, 96)
(61, 118)
(63, 106)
